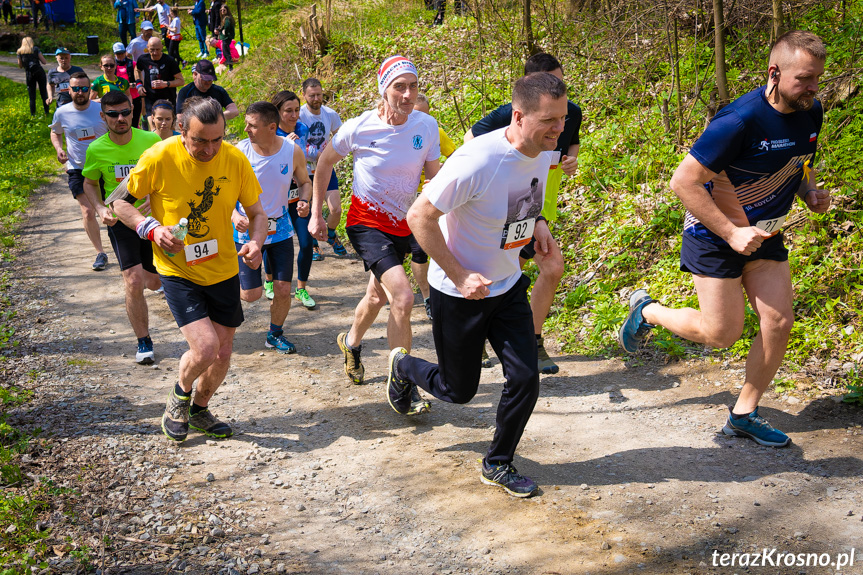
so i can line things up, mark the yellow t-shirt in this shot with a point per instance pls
(205, 193)
(446, 149)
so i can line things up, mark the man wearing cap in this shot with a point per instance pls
(203, 76)
(391, 147)
(80, 124)
(158, 75)
(127, 15)
(58, 79)
(126, 69)
(138, 46)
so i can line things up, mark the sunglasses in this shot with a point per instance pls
(83, 89)
(109, 66)
(117, 113)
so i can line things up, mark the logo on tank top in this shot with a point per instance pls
(418, 142)
(283, 168)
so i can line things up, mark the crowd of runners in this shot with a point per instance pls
(469, 224)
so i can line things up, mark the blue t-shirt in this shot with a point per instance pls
(501, 117)
(302, 132)
(760, 156)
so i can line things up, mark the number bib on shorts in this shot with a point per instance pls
(201, 252)
(517, 234)
(771, 226)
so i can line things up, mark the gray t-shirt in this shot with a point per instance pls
(60, 80)
(81, 128)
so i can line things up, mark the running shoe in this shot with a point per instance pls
(506, 476)
(418, 404)
(101, 262)
(317, 256)
(337, 246)
(280, 343)
(755, 428)
(206, 422)
(145, 354)
(546, 365)
(175, 420)
(427, 302)
(268, 290)
(635, 328)
(486, 360)
(399, 390)
(353, 364)
(305, 298)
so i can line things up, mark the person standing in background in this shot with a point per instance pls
(226, 35)
(214, 19)
(31, 59)
(127, 17)
(175, 35)
(199, 14)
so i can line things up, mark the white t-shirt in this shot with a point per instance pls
(274, 173)
(491, 195)
(321, 128)
(81, 128)
(164, 13)
(137, 47)
(388, 161)
(176, 25)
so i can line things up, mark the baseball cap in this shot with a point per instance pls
(61, 50)
(118, 47)
(205, 70)
(146, 25)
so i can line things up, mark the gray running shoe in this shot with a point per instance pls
(546, 365)
(175, 420)
(206, 422)
(101, 262)
(486, 360)
(506, 476)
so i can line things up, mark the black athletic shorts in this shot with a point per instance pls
(703, 258)
(280, 259)
(130, 249)
(380, 251)
(190, 302)
(76, 182)
(418, 256)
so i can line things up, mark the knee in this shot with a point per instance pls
(250, 295)
(722, 338)
(134, 283)
(282, 290)
(777, 322)
(207, 350)
(403, 302)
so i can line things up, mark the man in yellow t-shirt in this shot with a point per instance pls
(419, 259)
(198, 177)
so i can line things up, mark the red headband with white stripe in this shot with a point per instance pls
(393, 67)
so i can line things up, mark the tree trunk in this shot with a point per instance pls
(719, 31)
(528, 29)
(778, 20)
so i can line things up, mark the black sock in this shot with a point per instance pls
(179, 391)
(538, 336)
(739, 415)
(196, 409)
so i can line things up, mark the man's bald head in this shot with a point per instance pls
(785, 49)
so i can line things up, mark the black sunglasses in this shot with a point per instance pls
(84, 89)
(117, 113)
(109, 66)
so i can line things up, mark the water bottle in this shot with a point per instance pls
(179, 231)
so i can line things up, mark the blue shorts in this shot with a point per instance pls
(190, 302)
(703, 258)
(280, 261)
(334, 182)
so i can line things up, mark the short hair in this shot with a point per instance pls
(266, 111)
(795, 40)
(528, 90)
(205, 110)
(311, 83)
(541, 62)
(166, 104)
(175, 11)
(424, 99)
(79, 76)
(114, 98)
(103, 56)
(282, 97)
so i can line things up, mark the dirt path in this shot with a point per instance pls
(323, 477)
(9, 68)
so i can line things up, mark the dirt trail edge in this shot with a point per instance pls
(323, 477)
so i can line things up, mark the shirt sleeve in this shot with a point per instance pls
(140, 183)
(343, 140)
(458, 180)
(57, 124)
(494, 120)
(336, 122)
(575, 117)
(182, 94)
(91, 169)
(447, 147)
(224, 98)
(434, 148)
(720, 143)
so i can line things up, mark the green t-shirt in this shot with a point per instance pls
(110, 163)
(102, 85)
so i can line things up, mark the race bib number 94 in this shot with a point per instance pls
(517, 234)
(201, 252)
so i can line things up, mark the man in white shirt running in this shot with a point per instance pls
(323, 123)
(81, 123)
(472, 219)
(275, 161)
(391, 147)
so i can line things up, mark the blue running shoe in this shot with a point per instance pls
(317, 256)
(337, 245)
(280, 343)
(755, 428)
(505, 475)
(145, 354)
(634, 328)
(101, 262)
